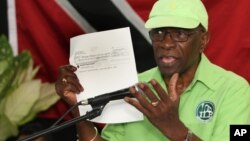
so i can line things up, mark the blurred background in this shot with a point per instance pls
(44, 28)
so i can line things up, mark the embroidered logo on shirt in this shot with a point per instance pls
(205, 111)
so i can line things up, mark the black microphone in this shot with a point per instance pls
(105, 98)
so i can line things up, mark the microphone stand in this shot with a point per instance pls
(96, 111)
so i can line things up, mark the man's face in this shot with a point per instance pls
(179, 50)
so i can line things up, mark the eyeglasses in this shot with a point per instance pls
(178, 35)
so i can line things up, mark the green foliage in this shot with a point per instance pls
(22, 96)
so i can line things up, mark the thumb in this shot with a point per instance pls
(172, 87)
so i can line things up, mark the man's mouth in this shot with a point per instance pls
(167, 59)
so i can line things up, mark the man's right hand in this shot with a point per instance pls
(67, 84)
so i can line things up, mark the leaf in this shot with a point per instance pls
(6, 65)
(31, 72)
(15, 73)
(25, 65)
(20, 102)
(7, 128)
(6, 78)
(25, 74)
(6, 54)
(21, 97)
(47, 98)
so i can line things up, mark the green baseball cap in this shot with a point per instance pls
(178, 13)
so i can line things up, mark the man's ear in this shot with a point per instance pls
(205, 37)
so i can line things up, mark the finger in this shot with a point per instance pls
(70, 98)
(172, 87)
(61, 88)
(151, 96)
(67, 75)
(143, 99)
(137, 105)
(73, 87)
(74, 82)
(161, 92)
(139, 95)
(63, 73)
(67, 68)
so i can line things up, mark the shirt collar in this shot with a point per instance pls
(205, 73)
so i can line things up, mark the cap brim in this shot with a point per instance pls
(171, 21)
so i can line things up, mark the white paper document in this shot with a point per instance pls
(106, 63)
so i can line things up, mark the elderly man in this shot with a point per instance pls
(187, 98)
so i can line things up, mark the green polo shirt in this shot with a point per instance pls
(215, 99)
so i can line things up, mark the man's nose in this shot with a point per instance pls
(168, 42)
